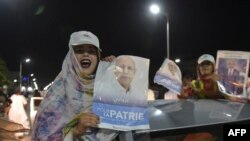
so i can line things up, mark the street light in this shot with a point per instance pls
(177, 60)
(27, 60)
(155, 9)
(29, 79)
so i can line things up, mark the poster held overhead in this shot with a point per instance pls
(232, 68)
(120, 93)
(169, 76)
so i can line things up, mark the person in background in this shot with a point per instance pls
(65, 114)
(17, 112)
(205, 86)
(10, 131)
(5, 103)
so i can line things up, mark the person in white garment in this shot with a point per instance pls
(17, 112)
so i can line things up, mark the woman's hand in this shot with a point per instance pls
(109, 58)
(87, 120)
(215, 77)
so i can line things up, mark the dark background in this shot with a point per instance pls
(40, 29)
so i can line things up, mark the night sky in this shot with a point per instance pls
(40, 29)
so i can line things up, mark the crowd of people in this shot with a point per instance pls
(71, 95)
(14, 121)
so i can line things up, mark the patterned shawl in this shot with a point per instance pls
(67, 97)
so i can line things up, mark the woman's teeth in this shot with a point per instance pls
(85, 63)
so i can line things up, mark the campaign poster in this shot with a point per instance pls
(232, 68)
(169, 76)
(120, 93)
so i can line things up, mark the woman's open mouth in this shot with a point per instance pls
(85, 63)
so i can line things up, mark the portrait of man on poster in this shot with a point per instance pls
(123, 82)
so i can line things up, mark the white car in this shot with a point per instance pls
(34, 104)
